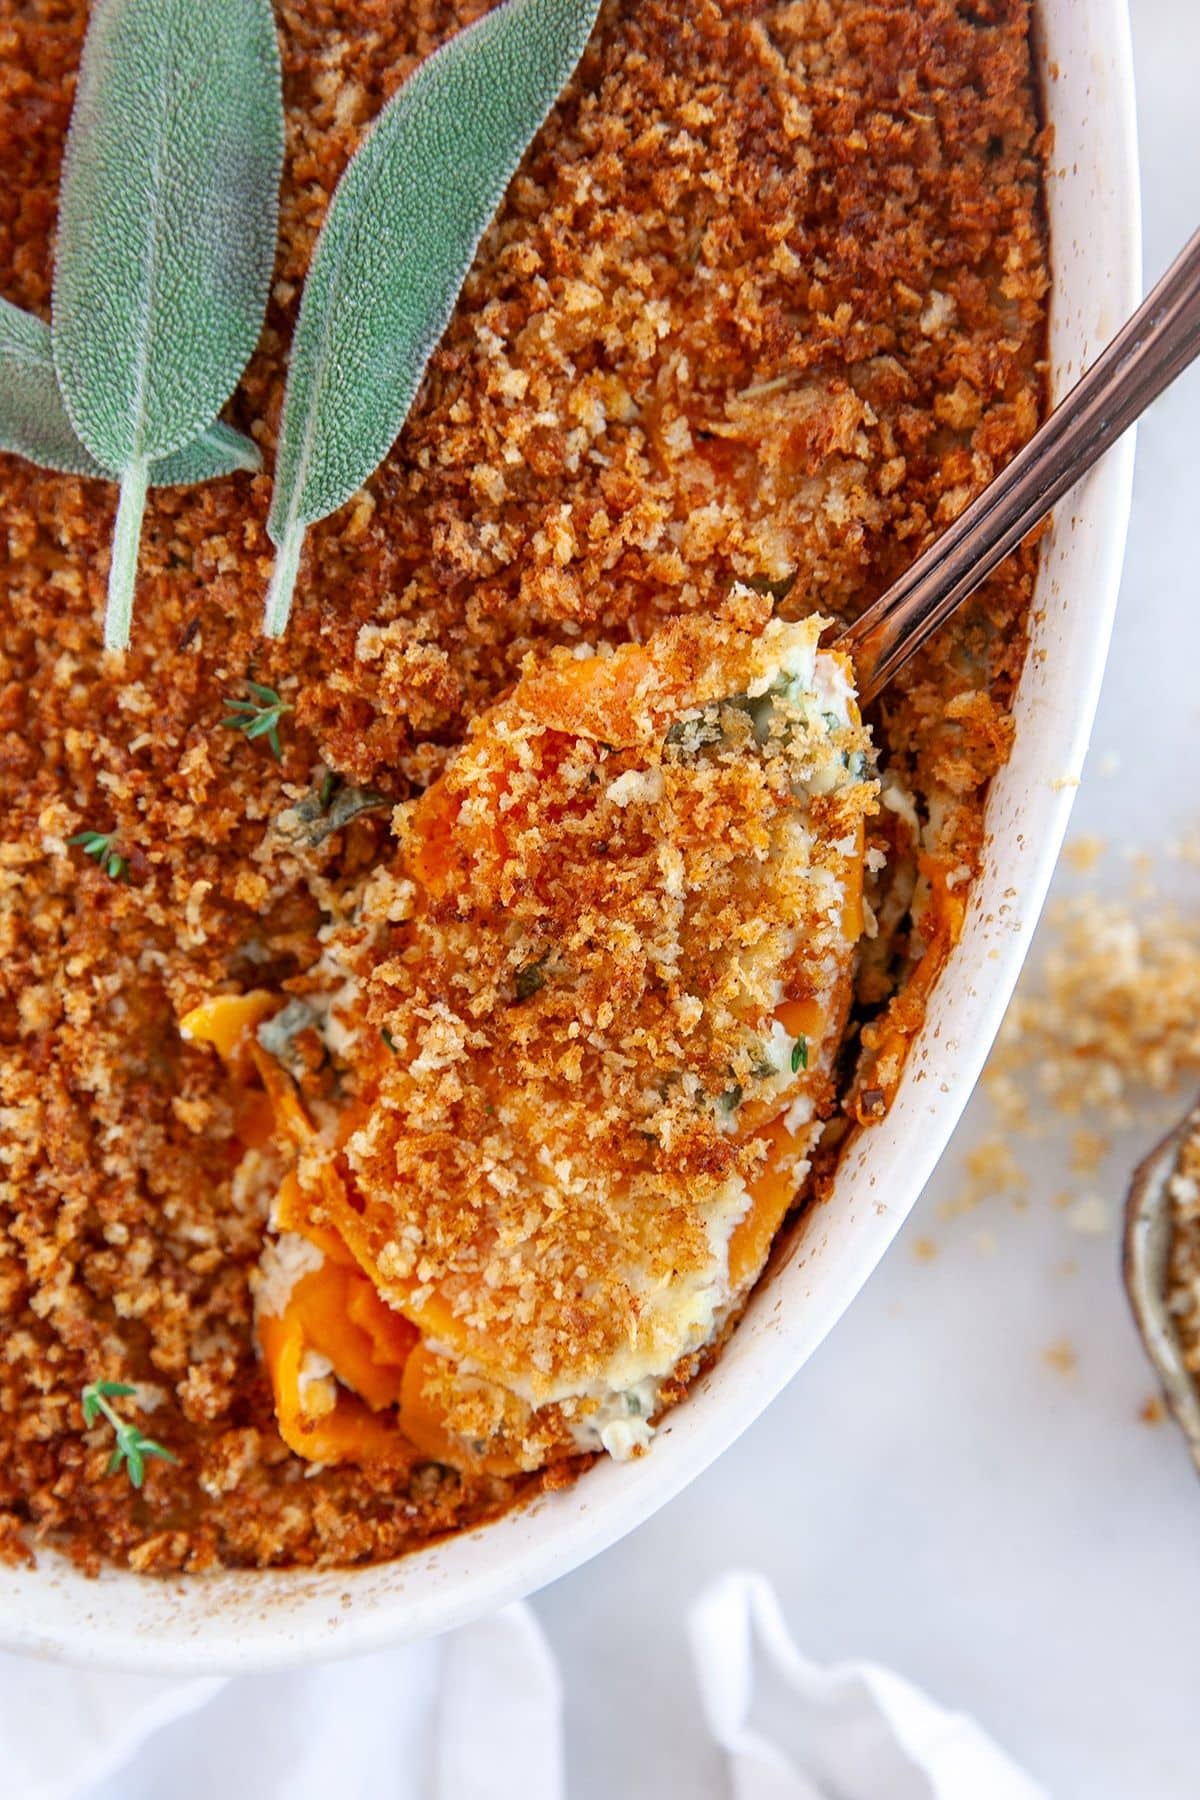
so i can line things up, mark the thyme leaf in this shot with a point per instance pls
(257, 714)
(167, 220)
(98, 845)
(400, 234)
(799, 1054)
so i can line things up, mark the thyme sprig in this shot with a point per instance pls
(132, 1446)
(98, 845)
(258, 714)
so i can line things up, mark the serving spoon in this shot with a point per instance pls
(1159, 342)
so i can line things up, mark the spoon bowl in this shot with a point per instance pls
(1149, 1237)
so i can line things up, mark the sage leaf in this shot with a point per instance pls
(397, 242)
(168, 213)
(217, 450)
(33, 419)
(34, 422)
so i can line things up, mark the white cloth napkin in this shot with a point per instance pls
(852, 1732)
(477, 1715)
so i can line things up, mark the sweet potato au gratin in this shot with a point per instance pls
(585, 1031)
(412, 1122)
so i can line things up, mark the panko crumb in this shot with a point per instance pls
(1105, 1025)
(1062, 1357)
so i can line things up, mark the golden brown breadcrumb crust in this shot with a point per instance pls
(765, 301)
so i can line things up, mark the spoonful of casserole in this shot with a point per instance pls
(586, 1049)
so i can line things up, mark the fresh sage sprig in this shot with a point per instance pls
(397, 242)
(168, 211)
(34, 422)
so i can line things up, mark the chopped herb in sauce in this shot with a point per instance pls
(532, 977)
(278, 1034)
(778, 589)
(329, 809)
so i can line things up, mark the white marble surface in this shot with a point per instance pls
(931, 1491)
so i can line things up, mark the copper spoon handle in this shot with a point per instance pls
(1157, 344)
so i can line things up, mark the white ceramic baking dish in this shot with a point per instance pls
(258, 1621)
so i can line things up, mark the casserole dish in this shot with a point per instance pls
(266, 1620)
